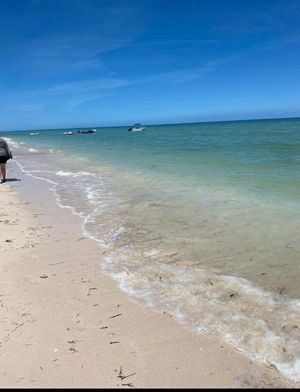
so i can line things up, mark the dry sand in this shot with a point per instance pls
(65, 324)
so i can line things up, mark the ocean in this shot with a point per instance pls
(199, 220)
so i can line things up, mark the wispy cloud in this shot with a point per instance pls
(24, 107)
(76, 93)
(293, 39)
(250, 27)
(268, 18)
(174, 43)
(69, 53)
(85, 85)
(69, 36)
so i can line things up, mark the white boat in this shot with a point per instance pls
(68, 133)
(34, 133)
(136, 128)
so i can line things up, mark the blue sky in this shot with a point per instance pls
(68, 63)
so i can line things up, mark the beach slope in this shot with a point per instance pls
(65, 324)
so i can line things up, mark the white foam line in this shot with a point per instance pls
(143, 292)
(59, 203)
(290, 371)
(28, 173)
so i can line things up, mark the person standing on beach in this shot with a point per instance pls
(5, 155)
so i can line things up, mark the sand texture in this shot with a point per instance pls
(66, 324)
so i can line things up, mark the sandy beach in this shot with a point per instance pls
(66, 324)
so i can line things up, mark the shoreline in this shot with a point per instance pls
(66, 324)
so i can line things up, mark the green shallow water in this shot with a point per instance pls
(201, 220)
(261, 157)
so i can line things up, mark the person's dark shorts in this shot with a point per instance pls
(3, 159)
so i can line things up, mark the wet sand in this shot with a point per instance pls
(66, 324)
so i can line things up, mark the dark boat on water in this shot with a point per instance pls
(87, 131)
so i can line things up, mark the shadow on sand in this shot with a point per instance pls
(12, 179)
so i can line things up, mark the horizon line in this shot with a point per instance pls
(155, 124)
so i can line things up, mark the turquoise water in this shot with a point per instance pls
(252, 155)
(201, 220)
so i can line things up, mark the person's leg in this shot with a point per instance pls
(3, 172)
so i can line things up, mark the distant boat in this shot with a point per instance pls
(136, 128)
(68, 133)
(88, 131)
(34, 133)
